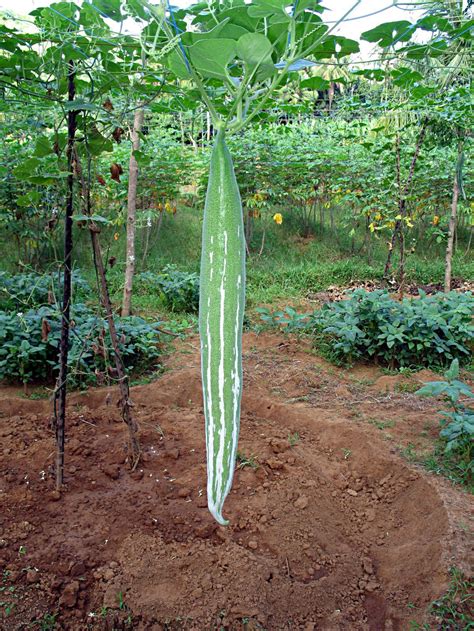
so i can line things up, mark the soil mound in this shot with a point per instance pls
(330, 528)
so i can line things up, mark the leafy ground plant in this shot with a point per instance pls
(177, 290)
(429, 331)
(29, 343)
(457, 433)
(20, 291)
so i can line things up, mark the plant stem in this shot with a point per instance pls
(61, 388)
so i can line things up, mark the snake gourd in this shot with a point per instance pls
(221, 311)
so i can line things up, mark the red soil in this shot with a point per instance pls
(333, 531)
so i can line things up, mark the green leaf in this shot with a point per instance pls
(45, 180)
(376, 74)
(240, 16)
(176, 64)
(405, 77)
(142, 159)
(453, 371)
(189, 38)
(26, 168)
(43, 147)
(136, 8)
(79, 105)
(255, 50)
(95, 218)
(434, 23)
(97, 144)
(232, 31)
(390, 33)
(109, 9)
(419, 51)
(29, 199)
(266, 8)
(315, 83)
(421, 91)
(211, 57)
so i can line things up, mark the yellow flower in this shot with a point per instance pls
(168, 207)
(378, 216)
(116, 236)
(435, 220)
(277, 218)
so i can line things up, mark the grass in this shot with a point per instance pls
(439, 462)
(289, 269)
(379, 424)
(454, 610)
(293, 439)
(246, 461)
(449, 466)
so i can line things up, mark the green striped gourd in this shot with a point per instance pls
(221, 310)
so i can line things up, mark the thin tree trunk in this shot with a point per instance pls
(122, 377)
(402, 199)
(61, 388)
(131, 214)
(452, 219)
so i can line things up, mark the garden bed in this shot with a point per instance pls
(330, 527)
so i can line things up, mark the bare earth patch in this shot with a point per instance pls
(330, 527)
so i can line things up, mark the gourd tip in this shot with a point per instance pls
(217, 514)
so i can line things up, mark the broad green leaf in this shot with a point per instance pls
(266, 8)
(302, 5)
(309, 33)
(434, 23)
(376, 74)
(421, 91)
(419, 51)
(240, 17)
(29, 199)
(136, 8)
(255, 50)
(390, 33)
(211, 57)
(95, 218)
(315, 83)
(26, 168)
(46, 180)
(109, 9)
(233, 31)
(142, 159)
(336, 46)
(79, 105)
(191, 37)
(97, 143)
(405, 77)
(43, 147)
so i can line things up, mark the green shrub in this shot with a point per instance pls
(29, 345)
(23, 291)
(178, 291)
(426, 331)
(457, 431)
